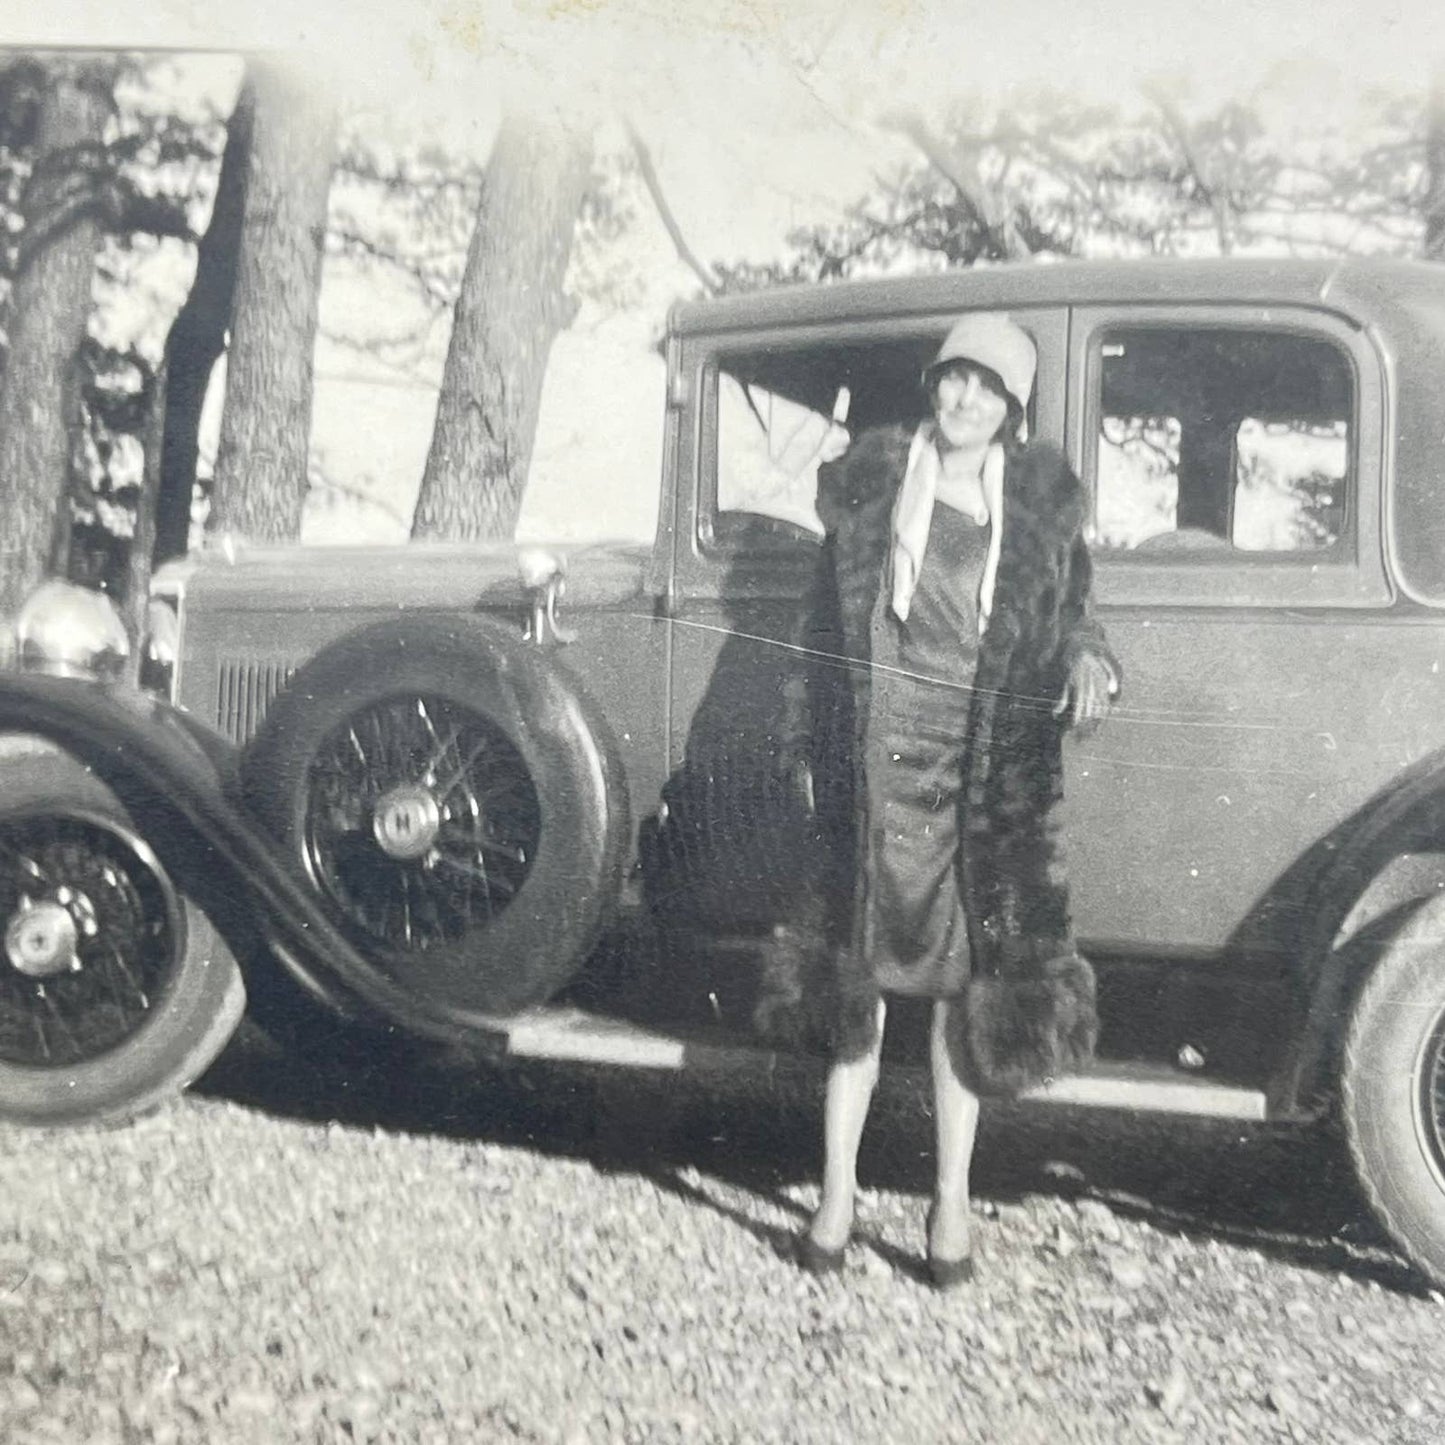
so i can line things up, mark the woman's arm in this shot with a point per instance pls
(1092, 674)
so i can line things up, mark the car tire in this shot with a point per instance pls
(150, 995)
(1393, 1089)
(459, 806)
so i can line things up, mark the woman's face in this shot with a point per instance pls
(969, 409)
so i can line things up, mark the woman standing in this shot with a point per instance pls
(960, 577)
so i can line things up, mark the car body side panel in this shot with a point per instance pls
(1237, 747)
(1405, 317)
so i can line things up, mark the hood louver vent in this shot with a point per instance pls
(244, 690)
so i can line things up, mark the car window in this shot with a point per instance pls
(777, 412)
(769, 451)
(1221, 440)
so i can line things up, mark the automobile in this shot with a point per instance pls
(423, 791)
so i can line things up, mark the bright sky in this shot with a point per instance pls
(627, 48)
(761, 114)
(762, 106)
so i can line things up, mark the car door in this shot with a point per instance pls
(1272, 684)
(738, 832)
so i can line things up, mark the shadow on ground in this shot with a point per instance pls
(1287, 1193)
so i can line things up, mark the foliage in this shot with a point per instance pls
(1054, 178)
(402, 215)
(147, 182)
(149, 185)
(107, 462)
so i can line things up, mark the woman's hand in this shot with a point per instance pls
(1089, 693)
(836, 441)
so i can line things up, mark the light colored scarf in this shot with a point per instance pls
(913, 517)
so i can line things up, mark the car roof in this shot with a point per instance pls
(1348, 286)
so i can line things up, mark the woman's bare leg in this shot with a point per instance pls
(845, 1110)
(955, 1110)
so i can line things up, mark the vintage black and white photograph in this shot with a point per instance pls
(722, 723)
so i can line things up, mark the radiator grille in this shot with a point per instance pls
(244, 691)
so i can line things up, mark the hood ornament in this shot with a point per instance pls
(544, 574)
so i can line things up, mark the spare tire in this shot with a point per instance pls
(459, 806)
(115, 990)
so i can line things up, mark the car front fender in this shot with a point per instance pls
(175, 780)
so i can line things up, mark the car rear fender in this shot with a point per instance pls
(1380, 867)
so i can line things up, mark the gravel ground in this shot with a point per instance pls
(550, 1256)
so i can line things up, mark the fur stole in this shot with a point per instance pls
(1030, 1009)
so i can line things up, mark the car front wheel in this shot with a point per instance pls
(1393, 1089)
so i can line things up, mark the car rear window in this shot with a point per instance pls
(1221, 439)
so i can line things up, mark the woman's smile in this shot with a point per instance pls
(968, 410)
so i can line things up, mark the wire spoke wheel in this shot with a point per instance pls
(91, 941)
(421, 821)
(459, 806)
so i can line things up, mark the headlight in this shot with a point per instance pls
(70, 631)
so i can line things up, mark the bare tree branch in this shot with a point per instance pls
(648, 172)
(355, 164)
(1213, 195)
(356, 244)
(990, 215)
(155, 215)
(1061, 166)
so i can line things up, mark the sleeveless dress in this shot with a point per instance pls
(913, 929)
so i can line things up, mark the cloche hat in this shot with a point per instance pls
(990, 339)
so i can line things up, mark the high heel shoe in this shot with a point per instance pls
(944, 1274)
(814, 1259)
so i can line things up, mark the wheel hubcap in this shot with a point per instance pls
(41, 938)
(406, 822)
(421, 822)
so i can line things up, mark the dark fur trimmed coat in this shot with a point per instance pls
(1030, 1008)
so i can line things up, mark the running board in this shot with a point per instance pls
(576, 1036)
(1155, 1090)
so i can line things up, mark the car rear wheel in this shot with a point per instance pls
(115, 991)
(1393, 1089)
(456, 807)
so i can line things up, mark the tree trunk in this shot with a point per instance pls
(198, 337)
(260, 480)
(140, 563)
(510, 310)
(1435, 170)
(49, 308)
